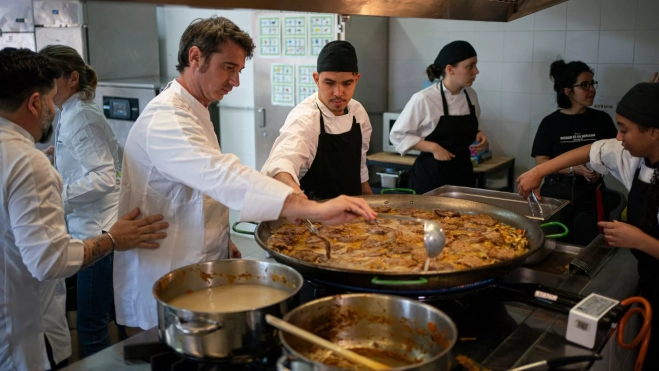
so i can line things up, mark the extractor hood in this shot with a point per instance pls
(472, 10)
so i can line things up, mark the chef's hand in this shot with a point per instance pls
(481, 139)
(620, 234)
(654, 77)
(341, 210)
(585, 172)
(234, 253)
(441, 154)
(50, 153)
(528, 181)
(129, 232)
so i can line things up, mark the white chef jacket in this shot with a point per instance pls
(423, 111)
(295, 148)
(609, 156)
(34, 246)
(173, 166)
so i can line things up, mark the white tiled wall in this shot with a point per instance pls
(619, 39)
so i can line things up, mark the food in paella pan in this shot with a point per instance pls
(397, 245)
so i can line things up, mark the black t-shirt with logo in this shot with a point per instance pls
(559, 133)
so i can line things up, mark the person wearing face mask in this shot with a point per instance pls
(632, 158)
(87, 157)
(321, 149)
(441, 122)
(571, 126)
(173, 163)
(34, 245)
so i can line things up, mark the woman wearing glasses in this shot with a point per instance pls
(570, 127)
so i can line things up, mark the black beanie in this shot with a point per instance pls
(454, 52)
(337, 56)
(641, 105)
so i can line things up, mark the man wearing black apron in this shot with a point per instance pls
(633, 160)
(321, 150)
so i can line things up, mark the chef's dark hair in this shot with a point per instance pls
(208, 35)
(23, 73)
(435, 72)
(68, 60)
(565, 75)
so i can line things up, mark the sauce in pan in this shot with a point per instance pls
(229, 298)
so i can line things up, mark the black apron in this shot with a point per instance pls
(648, 266)
(336, 168)
(455, 134)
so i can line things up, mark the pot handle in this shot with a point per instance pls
(404, 190)
(419, 281)
(283, 363)
(240, 231)
(199, 327)
(559, 224)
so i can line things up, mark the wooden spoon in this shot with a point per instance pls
(317, 340)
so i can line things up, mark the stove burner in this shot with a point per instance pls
(163, 358)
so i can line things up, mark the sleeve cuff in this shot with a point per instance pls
(75, 257)
(281, 166)
(264, 199)
(595, 156)
(407, 143)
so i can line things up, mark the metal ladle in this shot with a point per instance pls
(433, 235)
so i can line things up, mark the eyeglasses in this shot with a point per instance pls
(586, 85)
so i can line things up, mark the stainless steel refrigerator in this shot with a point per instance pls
(16, 24)
(273, 99)
(61, 22)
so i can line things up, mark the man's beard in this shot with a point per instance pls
(47, 117)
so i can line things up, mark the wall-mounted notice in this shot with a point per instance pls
(270, 36)
(321, 31)
(295, 36)
(305, 83)
(282, 80)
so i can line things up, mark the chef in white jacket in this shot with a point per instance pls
(173, 164)
(87, 158)
(34, 245)
(321, 149)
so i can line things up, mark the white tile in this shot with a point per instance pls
(616, 47)
(583, 15)
(416, 25)
(643, 72)
(489, 77)
(515, 108)
(615, 79)
(398, 97)
(518, 46)
(541, 82)
(416, 46)
(548, 46)
(618, 15)
(407, 74)
(541, 106)
(647, 14)
(551, 19)
(582, 46)
(646, 49)
(517, 77)
(490, 103)
(457, 25)
(517, 138)
(495, 138)
(488, 45)
(521, 24)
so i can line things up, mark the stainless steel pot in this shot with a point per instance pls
(385, 323)
(237, 337)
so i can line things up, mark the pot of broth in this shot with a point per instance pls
(216, 310)
(402, 333)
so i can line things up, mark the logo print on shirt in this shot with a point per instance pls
(577, 138)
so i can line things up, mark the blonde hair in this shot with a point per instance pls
(68, 60)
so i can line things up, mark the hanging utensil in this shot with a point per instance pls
(317, 340)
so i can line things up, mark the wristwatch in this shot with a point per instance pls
(571, 173)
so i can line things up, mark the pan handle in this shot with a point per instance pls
(404, 190)
(558, 224)
(241, 231)
(197, 328)
(420, 281)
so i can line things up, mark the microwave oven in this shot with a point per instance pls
(388, 120)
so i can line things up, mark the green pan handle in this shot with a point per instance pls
(420, 281)
(240, 231)
(558, 224)
(406, 190)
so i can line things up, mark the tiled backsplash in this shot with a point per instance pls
(619, 39)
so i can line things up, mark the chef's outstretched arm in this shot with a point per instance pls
(366, 188)
(532, 179)
(336, 211)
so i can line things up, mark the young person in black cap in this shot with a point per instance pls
(321, 149)
(633, 159)
(570, 127)
(441, 122)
